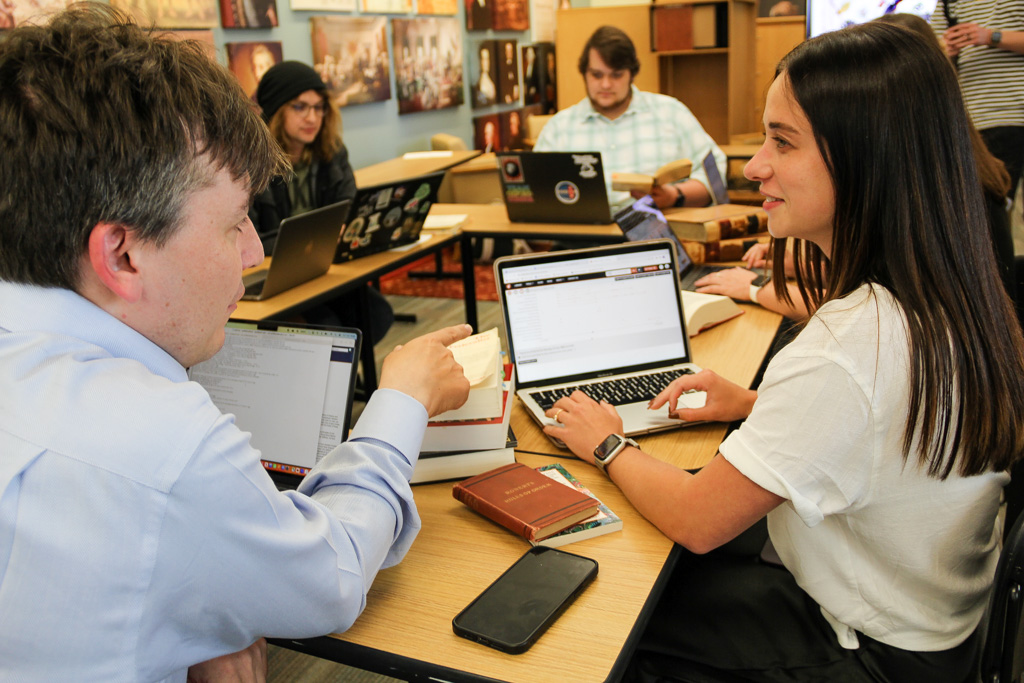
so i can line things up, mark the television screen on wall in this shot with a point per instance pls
(829, 15)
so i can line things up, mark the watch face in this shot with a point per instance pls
(607, 446)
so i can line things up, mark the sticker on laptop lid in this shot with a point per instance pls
(587, 163)
(567, 192)
(512, 169)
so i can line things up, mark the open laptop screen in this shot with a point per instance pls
(585, 311)
(718, 189)
(289, 385)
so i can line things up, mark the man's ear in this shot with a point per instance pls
(110, 247)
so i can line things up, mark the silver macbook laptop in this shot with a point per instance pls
(554, 187)
(304, 249)
(608, 321)
(290, 385)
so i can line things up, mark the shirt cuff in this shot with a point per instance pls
(396, 419)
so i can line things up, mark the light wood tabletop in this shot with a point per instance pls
(491, 220)
(411, 165)
(342, 277)
(345, 277)
(406, 631)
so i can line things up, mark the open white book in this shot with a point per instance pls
(480, 358)
(707, 310)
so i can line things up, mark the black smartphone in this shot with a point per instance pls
(521, 603)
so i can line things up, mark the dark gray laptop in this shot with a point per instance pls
(607, 321)
(643, 221)
(387, 216)
(554, 187)
(304, 249)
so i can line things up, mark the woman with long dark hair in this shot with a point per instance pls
(879, 441)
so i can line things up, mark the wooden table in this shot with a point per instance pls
(406, 631)
(341, 278)
(491, 220)
(411, 166)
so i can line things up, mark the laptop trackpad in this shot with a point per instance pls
(692, 400)
(637, 419)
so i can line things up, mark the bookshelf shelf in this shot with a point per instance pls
(696, 51)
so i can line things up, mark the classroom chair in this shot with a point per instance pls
(1002, 650)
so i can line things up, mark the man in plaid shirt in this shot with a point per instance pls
(635, 132)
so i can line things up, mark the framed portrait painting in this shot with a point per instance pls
(428, 63)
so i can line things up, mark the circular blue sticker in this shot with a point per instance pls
(567, 192)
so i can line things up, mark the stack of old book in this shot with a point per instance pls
(546, 506)
(475, 437)
(718, 233)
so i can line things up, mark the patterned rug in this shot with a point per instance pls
(398, 282)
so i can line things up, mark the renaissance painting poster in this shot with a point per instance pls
(428, 63)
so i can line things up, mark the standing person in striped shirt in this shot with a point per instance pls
(635, 132)
(986, 40)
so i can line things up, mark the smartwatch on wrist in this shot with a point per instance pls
(680, 197)
(610, 448)
(996, 38)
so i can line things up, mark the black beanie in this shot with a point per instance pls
(283, 83)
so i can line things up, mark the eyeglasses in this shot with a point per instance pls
(302, 108)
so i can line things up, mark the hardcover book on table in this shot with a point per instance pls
(604, 521)
(707, 310)
(669, 173)
(445, 465)
(525, 501)
(473, 435)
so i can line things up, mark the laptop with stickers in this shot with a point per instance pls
(554, 187)
(387, 216)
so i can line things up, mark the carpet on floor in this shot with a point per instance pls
(399, 283)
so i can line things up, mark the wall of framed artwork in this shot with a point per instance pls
(377, 129)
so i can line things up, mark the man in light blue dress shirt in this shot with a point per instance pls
(140, 537)
(635, 131)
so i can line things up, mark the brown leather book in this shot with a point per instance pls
(524, 501)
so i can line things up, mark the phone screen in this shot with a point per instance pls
(514, 610)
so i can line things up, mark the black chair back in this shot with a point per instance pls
(1002, 654)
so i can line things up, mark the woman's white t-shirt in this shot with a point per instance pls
(882, 547)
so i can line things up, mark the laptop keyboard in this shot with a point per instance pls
(618, 392)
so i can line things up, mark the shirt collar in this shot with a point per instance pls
(61, 312)
(636, 105)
